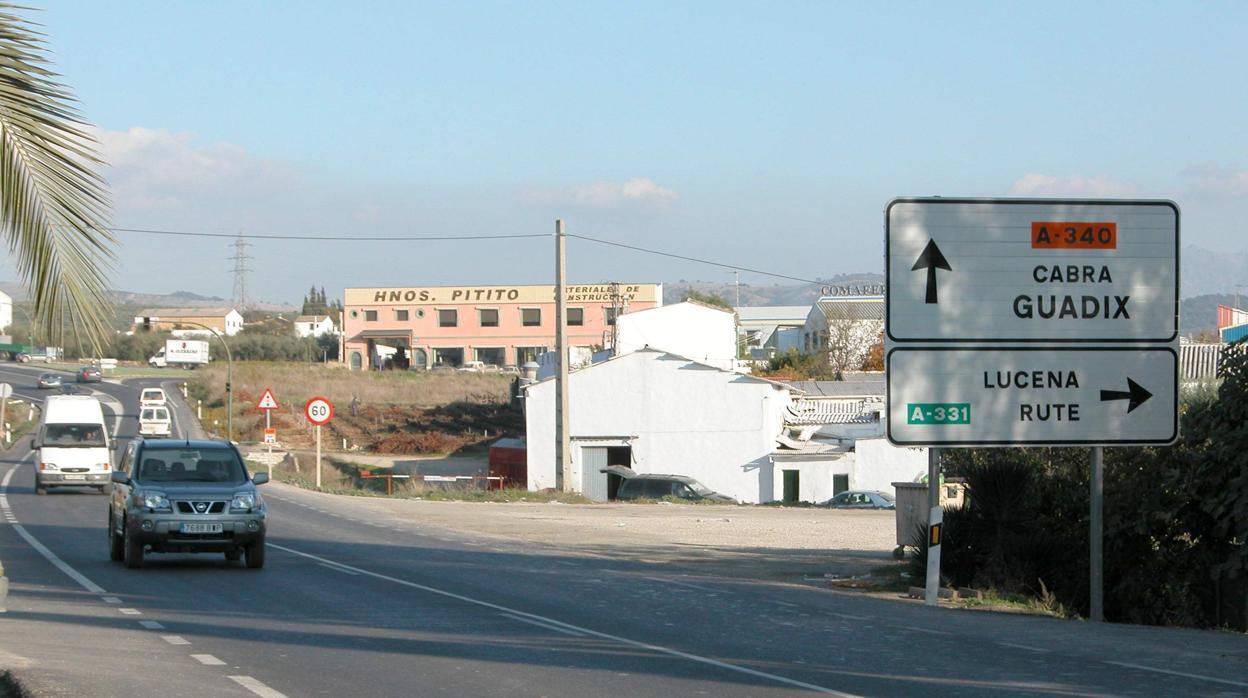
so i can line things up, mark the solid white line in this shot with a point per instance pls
(682, 584)
(336, 568)
(1141, 667)
(151, 625)
(256, 687)
(925, 630)
(782, 603)
(848, 615)
(557, 629)
(110, 599)
(1023, 647)
(606, 636)
(131, 611)
(175, 639)
(43, 550)
(207, 660)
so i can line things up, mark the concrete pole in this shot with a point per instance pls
(1096, 537)
(563, 441)
(931, 596)
(318, 456)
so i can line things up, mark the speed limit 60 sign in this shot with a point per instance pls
(319, 411)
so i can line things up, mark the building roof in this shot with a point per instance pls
(864, 384)
(773, 314)
(851, 308)
(677, 305)
(311, 318)
(185, 312)
(823, 410)
(649, 350)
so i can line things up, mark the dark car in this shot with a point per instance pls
(176, 496)
(659, 486)
(862, 499)
(89, 374)
(49, 380)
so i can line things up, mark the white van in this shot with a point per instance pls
(154, 421)
(73, 445)
(152, 396)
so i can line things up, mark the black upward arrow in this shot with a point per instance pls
(1134, 392)
(931, 259)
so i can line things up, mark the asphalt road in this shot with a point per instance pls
(350, 606)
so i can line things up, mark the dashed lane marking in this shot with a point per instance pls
(130, 611)
(110, 599)
(207, 660)
(256, 687)
(151, 625)
(175, 639)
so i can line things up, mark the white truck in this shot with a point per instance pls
(73, 445)
(188, 353)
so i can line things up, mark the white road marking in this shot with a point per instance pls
(175, 639)
(555, 628)
(576, 628)
(151, 625)
(849, 616)
(336, 568)
(207, 659)
(42, 549)
(782, 603)
(1200, 677)
(1023, 647)
(110, 599)
(684, 584)
(925, 630)
(256, 687)
(131, 611)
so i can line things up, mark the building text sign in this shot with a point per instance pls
(588, 293)
(983, 271)
(1032, 396)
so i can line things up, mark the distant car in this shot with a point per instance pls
(153, 397)
(69, 389)
(49, 380)
(862, 499)
(154, 421)
(89, 374)
(476, 366)
(648, 486)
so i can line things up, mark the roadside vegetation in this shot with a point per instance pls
(1176, 520)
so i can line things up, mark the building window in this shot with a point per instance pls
(489, 317)
(531, 317)
(576, 317)
(400, 315)
(448, 318)
(370, 316)
(491, 356)
(527, 354)
(448, 356)
(610, 315)
(355, 314)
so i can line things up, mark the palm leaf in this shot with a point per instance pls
(54, 205)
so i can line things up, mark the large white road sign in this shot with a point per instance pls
(1032, 396)
(1023, 271)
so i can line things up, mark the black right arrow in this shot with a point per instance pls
(931, 259)
(1134, 392)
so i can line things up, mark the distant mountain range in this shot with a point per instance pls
(177, 299)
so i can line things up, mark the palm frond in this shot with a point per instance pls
(54, 205)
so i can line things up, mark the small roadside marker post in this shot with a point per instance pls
(5, 391)
(318, 410)
(935, 516)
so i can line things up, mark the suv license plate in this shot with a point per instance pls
(201, 528)
(75, 476)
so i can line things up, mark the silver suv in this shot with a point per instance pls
(176, 496)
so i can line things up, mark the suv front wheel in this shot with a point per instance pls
(116, 544)
(255, 555)
(132, 553)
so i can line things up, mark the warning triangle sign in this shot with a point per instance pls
(267, 401)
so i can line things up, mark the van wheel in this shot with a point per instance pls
(255, 555)
(233, 555)
(40, 489)
(116, 544)
(132, 553)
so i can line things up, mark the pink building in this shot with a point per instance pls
(421, 327)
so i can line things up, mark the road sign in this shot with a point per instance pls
(1032, 396)
(1017, 271)
(270, 435)
(6, 390)
(319, 411)
(268, 401)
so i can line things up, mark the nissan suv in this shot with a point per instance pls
(178, 496)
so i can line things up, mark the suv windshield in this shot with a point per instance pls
(215, 465)
(74, 435)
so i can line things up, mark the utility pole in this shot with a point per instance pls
(736, 280)
(240, 273)
(563, 441)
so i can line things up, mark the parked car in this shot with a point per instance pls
(89, 374)
(180, 496)
(49, 380)
(648, 486)
(862, 499)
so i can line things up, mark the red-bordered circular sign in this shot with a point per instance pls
(319, 411)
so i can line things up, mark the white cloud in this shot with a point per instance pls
(158, 170)
(1035, 184)
(602, 194)
(1211, 178)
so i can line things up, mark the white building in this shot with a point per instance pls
(658, 412)
(314, 326)
(701, 332)
(845, 327)
(6, 312)
(767, 329)
(185, 322)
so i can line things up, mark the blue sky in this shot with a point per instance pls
(764, 134)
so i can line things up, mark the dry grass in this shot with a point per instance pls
(295, 383)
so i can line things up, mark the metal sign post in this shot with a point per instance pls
(935, 517)
(1032, 322)
(319, 411)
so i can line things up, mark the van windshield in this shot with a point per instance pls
(74, 435)
(191, 465)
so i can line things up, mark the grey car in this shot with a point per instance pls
(178, 496)
(862, 499)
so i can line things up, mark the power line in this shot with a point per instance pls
(693, 259)
(338, 238)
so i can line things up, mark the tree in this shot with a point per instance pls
(53, 204)
(708, 299)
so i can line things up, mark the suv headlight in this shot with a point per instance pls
(155, 501)
(243, 502)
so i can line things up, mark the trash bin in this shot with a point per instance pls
(912, 507)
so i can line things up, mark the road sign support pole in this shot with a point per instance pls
(932, 593)
(4, 403)
(318, 456)
(1096, 537)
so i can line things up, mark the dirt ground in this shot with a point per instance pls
(805, 545)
